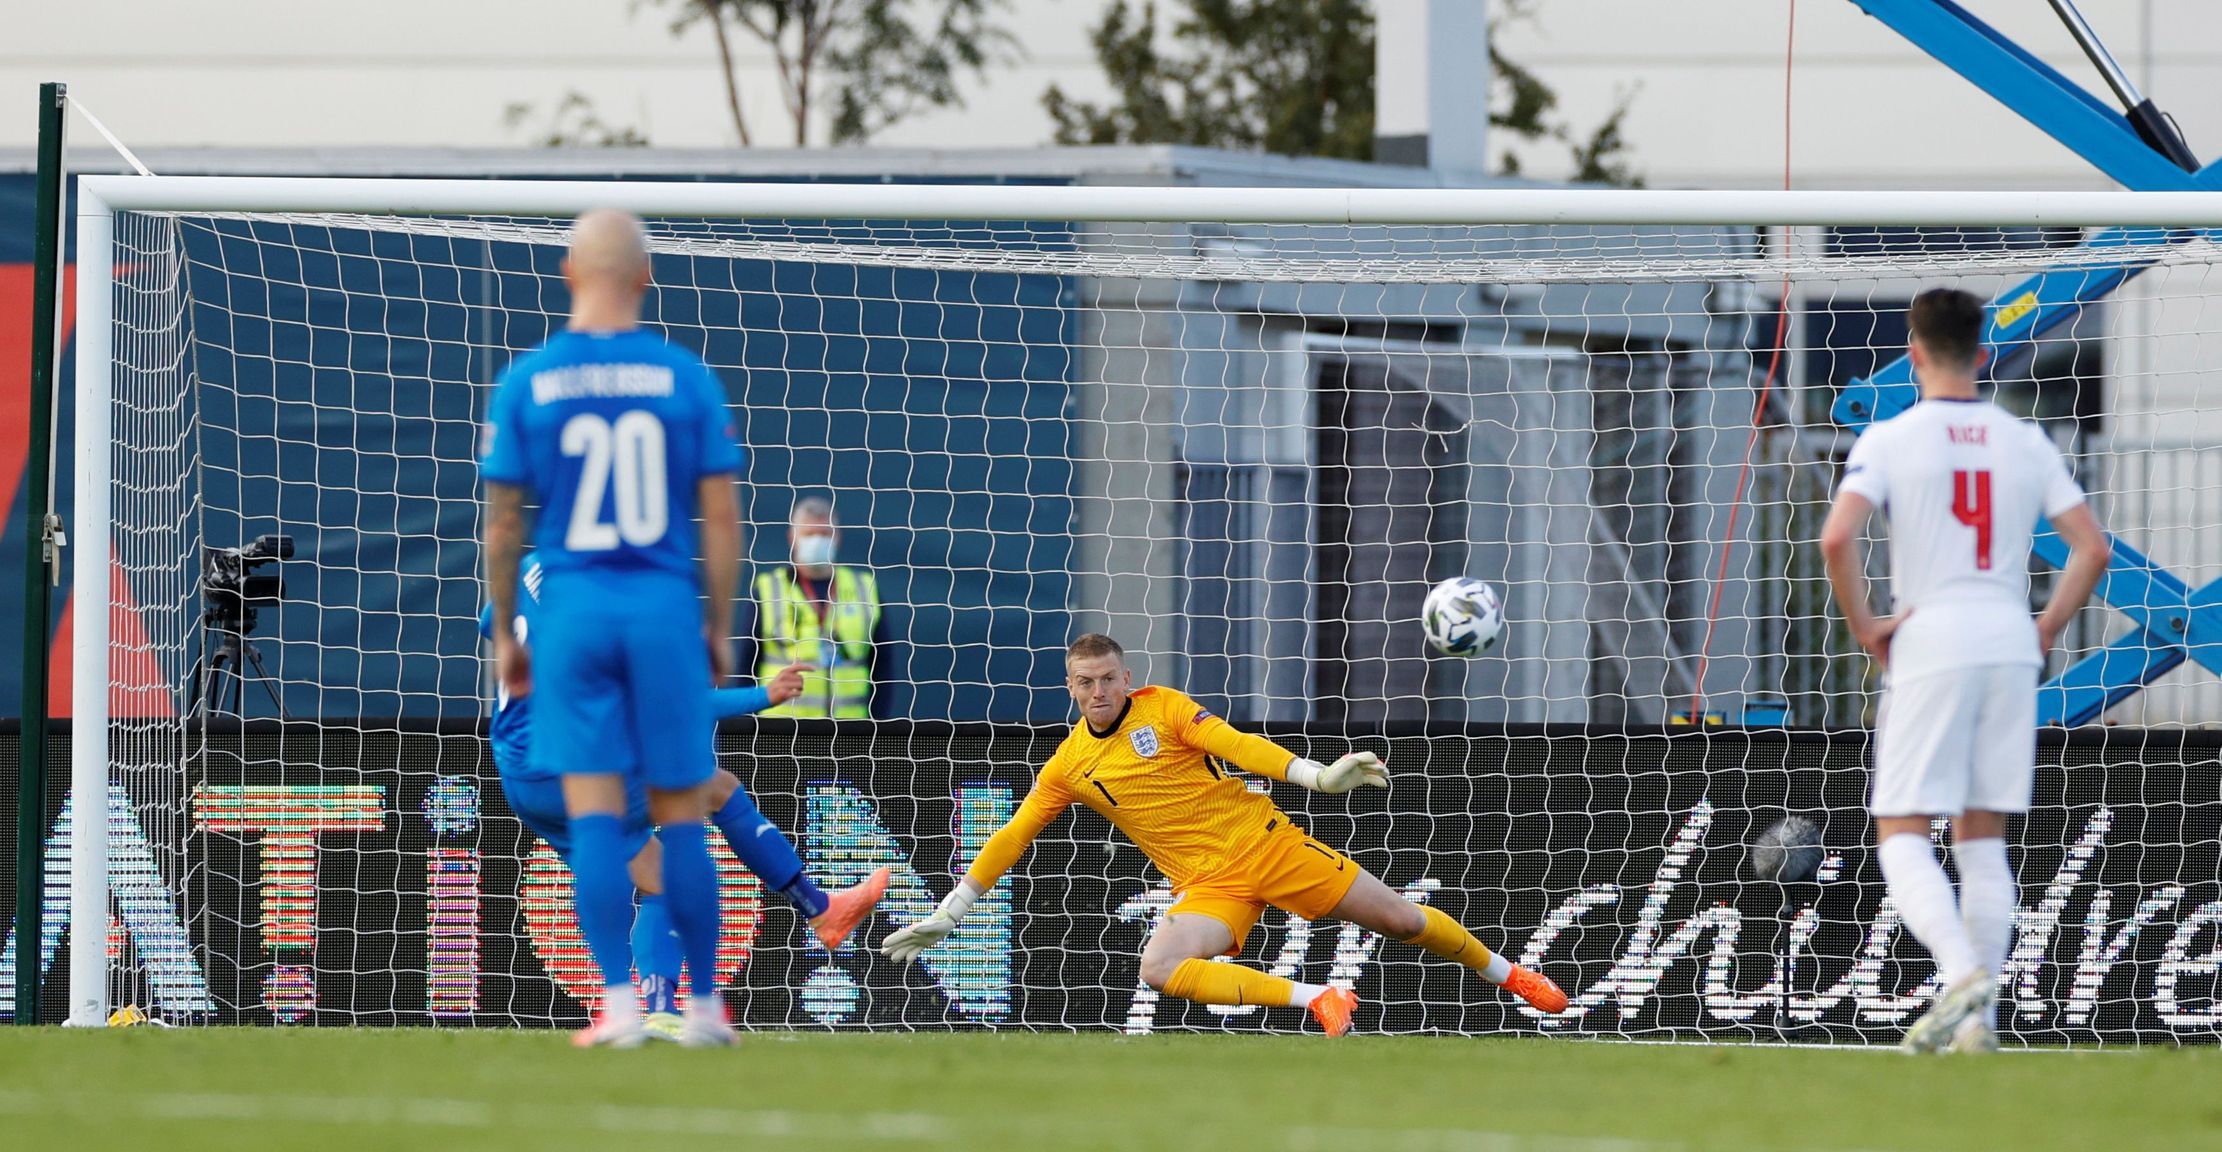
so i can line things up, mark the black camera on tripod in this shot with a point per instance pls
(233, 587)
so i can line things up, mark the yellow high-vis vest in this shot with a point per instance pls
(787, 633)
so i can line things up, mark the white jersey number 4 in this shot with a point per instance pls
(627, 456)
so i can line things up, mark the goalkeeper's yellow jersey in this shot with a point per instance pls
(1160, 776)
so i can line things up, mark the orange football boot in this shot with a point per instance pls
(1536, 989)
(1333, 1009)
(847, 908)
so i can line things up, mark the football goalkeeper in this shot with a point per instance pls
(1147, 759)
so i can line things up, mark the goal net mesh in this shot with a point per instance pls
(1245, 451)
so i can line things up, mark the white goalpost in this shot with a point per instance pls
(1242, 430)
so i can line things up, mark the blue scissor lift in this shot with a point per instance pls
(2140, 149)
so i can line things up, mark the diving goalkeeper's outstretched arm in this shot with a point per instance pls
(1043, 803)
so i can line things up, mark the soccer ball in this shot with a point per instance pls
(1462, 617)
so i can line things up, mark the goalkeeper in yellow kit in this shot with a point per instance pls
(1147, 760)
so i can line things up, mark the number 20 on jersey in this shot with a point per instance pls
(624, 458)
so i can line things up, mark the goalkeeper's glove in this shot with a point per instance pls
(905, 944)
(1341, 776)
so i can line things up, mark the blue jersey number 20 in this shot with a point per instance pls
(627, 457)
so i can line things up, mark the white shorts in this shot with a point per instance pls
(1958, 740)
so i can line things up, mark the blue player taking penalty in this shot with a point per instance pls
(536, 797)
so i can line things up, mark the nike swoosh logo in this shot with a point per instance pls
(766, 826)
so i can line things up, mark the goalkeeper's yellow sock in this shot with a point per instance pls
(1207, 982)
(1449, 939)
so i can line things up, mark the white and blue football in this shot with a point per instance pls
(1462, 617)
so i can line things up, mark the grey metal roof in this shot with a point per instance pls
(1146, 164)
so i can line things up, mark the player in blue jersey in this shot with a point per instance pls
(537, 799)
(623, 441)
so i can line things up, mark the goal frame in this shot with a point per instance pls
(101, 197)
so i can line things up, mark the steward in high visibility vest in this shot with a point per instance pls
(818, 613)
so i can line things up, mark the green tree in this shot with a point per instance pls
(574, 122)
(1293, 77)
(872, 62)
(1522, 104)
(1288, 76)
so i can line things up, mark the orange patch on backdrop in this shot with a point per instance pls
(136, 686)
(15, 368)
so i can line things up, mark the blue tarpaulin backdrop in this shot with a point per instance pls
(342, 374)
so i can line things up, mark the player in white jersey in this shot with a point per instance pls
(1962, 485)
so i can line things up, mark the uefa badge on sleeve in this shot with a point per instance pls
(1144, 741)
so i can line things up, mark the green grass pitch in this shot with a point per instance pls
(152, 1090)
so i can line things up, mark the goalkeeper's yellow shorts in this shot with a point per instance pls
(1289, 870)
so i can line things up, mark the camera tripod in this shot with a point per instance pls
(237, 659)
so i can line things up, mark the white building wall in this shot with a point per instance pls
(421, 73)
(1870, 110)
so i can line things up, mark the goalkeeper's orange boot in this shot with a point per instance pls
(847, 908)
(1537, 989)
(1334, 1008)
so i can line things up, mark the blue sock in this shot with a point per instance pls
(765, 849)
(656, 954)
(691, 892)
(604, 892)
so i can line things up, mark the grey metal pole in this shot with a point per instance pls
(2124, 89)
(2154, 128)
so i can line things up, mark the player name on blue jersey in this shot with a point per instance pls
(583, 381)
(611, 433)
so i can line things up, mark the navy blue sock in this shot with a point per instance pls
(768, 853)
(604, 893)
(656, 954)
(691, 892)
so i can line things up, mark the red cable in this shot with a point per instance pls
(1759, 409)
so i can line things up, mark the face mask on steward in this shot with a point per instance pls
(814, 551)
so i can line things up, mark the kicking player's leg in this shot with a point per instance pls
(767, 852)
(1373, 905)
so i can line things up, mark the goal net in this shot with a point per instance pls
(1241, 432)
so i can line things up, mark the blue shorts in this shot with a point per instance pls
(621, 679)
(538, 801)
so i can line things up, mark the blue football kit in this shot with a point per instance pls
(611, 434)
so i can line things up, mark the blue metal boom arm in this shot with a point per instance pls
(2174, 622)
(2058, 106)
(2021, 316)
